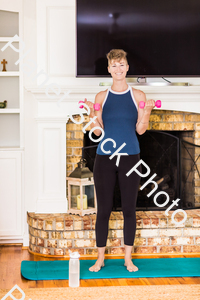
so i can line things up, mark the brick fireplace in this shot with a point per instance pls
(54, 234)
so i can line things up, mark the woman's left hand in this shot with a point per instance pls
(149, 105)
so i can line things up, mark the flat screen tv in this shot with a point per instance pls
(162, 38)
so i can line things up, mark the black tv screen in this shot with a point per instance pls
(162, 38)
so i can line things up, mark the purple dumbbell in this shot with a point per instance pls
(96, 105)
(157, 104)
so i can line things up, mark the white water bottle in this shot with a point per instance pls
(74, 269)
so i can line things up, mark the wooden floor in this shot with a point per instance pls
(10, 263)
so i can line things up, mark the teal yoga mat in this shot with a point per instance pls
(114, 268)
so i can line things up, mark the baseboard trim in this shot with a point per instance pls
(118, 256)
(11, 244)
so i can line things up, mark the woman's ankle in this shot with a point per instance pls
(101, 256)
(101, 250)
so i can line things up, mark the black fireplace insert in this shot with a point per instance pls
(172, 157)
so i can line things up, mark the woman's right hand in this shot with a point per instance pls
(91, 106)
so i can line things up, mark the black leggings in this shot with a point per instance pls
(104, 173)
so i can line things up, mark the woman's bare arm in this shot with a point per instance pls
(143, 113)
(98, 121)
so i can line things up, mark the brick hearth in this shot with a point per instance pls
(55, 234)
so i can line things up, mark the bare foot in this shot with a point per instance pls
(130, 266)
(97, 266)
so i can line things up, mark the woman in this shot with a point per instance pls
(119, 117)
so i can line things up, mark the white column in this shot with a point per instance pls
(51, 166)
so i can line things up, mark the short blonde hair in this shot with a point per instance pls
(116, 54)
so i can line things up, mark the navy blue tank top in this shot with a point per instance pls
(119, 115)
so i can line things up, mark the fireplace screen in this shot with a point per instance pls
(173, 159)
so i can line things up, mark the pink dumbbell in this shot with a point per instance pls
(96, 105)
(157, 104)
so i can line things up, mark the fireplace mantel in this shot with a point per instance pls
(179, 98)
